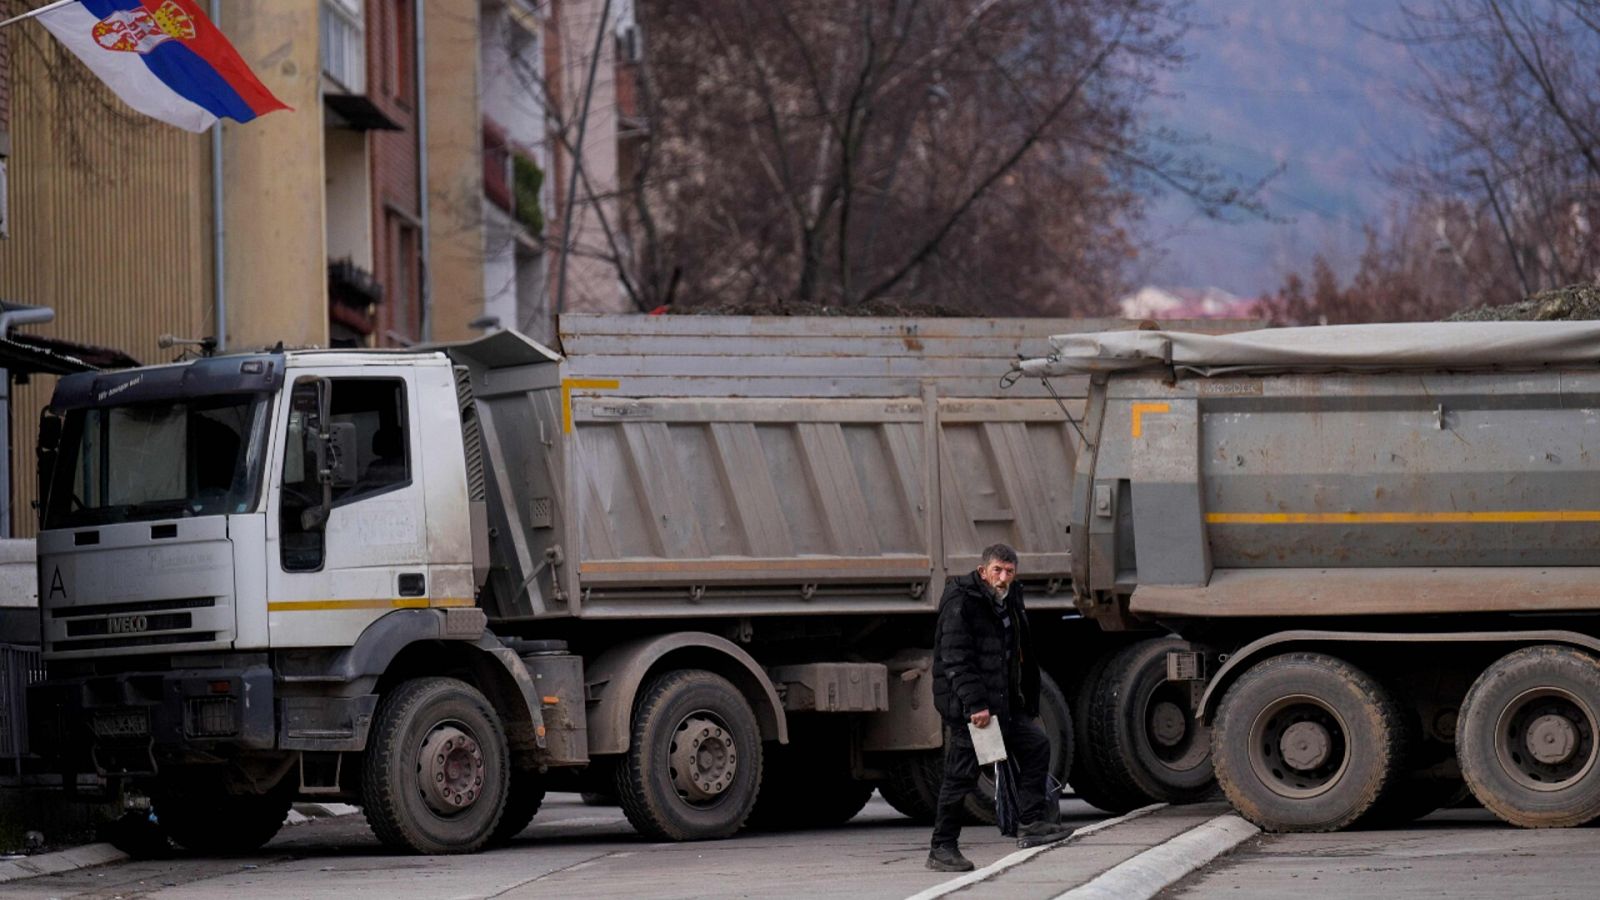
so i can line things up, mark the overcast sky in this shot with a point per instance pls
(1297, 83)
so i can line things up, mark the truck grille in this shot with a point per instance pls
(140, 624)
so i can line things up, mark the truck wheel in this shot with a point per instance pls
(524, 796)
(137, 834)
(1056, 720)
(837, 802)
(1306, 742)
(912, 787)
(435, 775)
(1410, 797)
(693, 767)
(1145, 740)
(1087, 779)
(191, 816)
(1527, 739)
(804, 788)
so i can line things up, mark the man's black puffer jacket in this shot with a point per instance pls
(969, 669)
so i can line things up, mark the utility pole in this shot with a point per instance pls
(1516, 258)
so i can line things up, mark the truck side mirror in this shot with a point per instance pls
(45, 454)
(326, 442)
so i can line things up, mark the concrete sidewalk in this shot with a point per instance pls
(1124, 859)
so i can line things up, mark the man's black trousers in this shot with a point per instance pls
(1025, 743)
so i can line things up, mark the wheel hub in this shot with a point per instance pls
(1551, 739)
(452, 769)
(1167, 725)
(1305, 745)
(703, 759)
(1545, 739)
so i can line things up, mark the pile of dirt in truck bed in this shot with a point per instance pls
(1575, 301)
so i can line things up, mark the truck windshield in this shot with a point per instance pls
(195, 457)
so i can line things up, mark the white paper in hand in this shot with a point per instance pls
(987, 742)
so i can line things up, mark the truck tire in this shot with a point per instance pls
(1145, 741)
(436, 772)
(524, 796)
(693, 767)
(912, 787)
(1306, 742)
(1410, 797)
(1527, 741)
(1055, 718)
(137, 834)
(1087, 780)
(222, 824)
(802, 788)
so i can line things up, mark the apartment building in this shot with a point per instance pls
(416, 191)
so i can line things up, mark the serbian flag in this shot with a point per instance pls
(164, 58)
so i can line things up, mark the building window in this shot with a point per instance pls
(404, 303)
(344, 51)
(399, 45)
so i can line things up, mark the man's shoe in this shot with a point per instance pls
(1033, 834)
(948, 859)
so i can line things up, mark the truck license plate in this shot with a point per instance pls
(123, 723)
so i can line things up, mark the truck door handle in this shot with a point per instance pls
(413, 584)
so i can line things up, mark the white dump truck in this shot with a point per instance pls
(1383, 542)
(689, 561)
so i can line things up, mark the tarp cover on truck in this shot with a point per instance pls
(1429, 345)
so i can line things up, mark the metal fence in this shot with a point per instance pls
(20, 666)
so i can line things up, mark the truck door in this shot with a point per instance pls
(334, 567)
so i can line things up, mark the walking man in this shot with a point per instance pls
(984, 672)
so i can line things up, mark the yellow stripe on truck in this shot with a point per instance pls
(399, 603)
(568, 385)
(1510, 516)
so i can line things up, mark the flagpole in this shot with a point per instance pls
(36, 12)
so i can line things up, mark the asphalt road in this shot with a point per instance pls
(576, 851)
(570, 851)
(1464, 854)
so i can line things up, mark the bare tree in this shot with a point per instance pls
(1504, 204)
(974, 155)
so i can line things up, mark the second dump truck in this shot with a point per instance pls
(1383, 542)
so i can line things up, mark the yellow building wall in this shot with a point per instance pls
(455, 168)
(276, 275)
(110, 227)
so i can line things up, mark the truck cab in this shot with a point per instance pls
(219, 538)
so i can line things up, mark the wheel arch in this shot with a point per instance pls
(613, 681)
(1311, 639)
(487, 666)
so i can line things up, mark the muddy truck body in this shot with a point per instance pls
(692, 563)
(1383, 543)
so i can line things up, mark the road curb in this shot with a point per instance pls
(1165, 864)
(305, 812)
(102, 854)
(60, 861)
(1022, 856)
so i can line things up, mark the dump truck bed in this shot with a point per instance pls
(736, 466)
(1350, 471)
